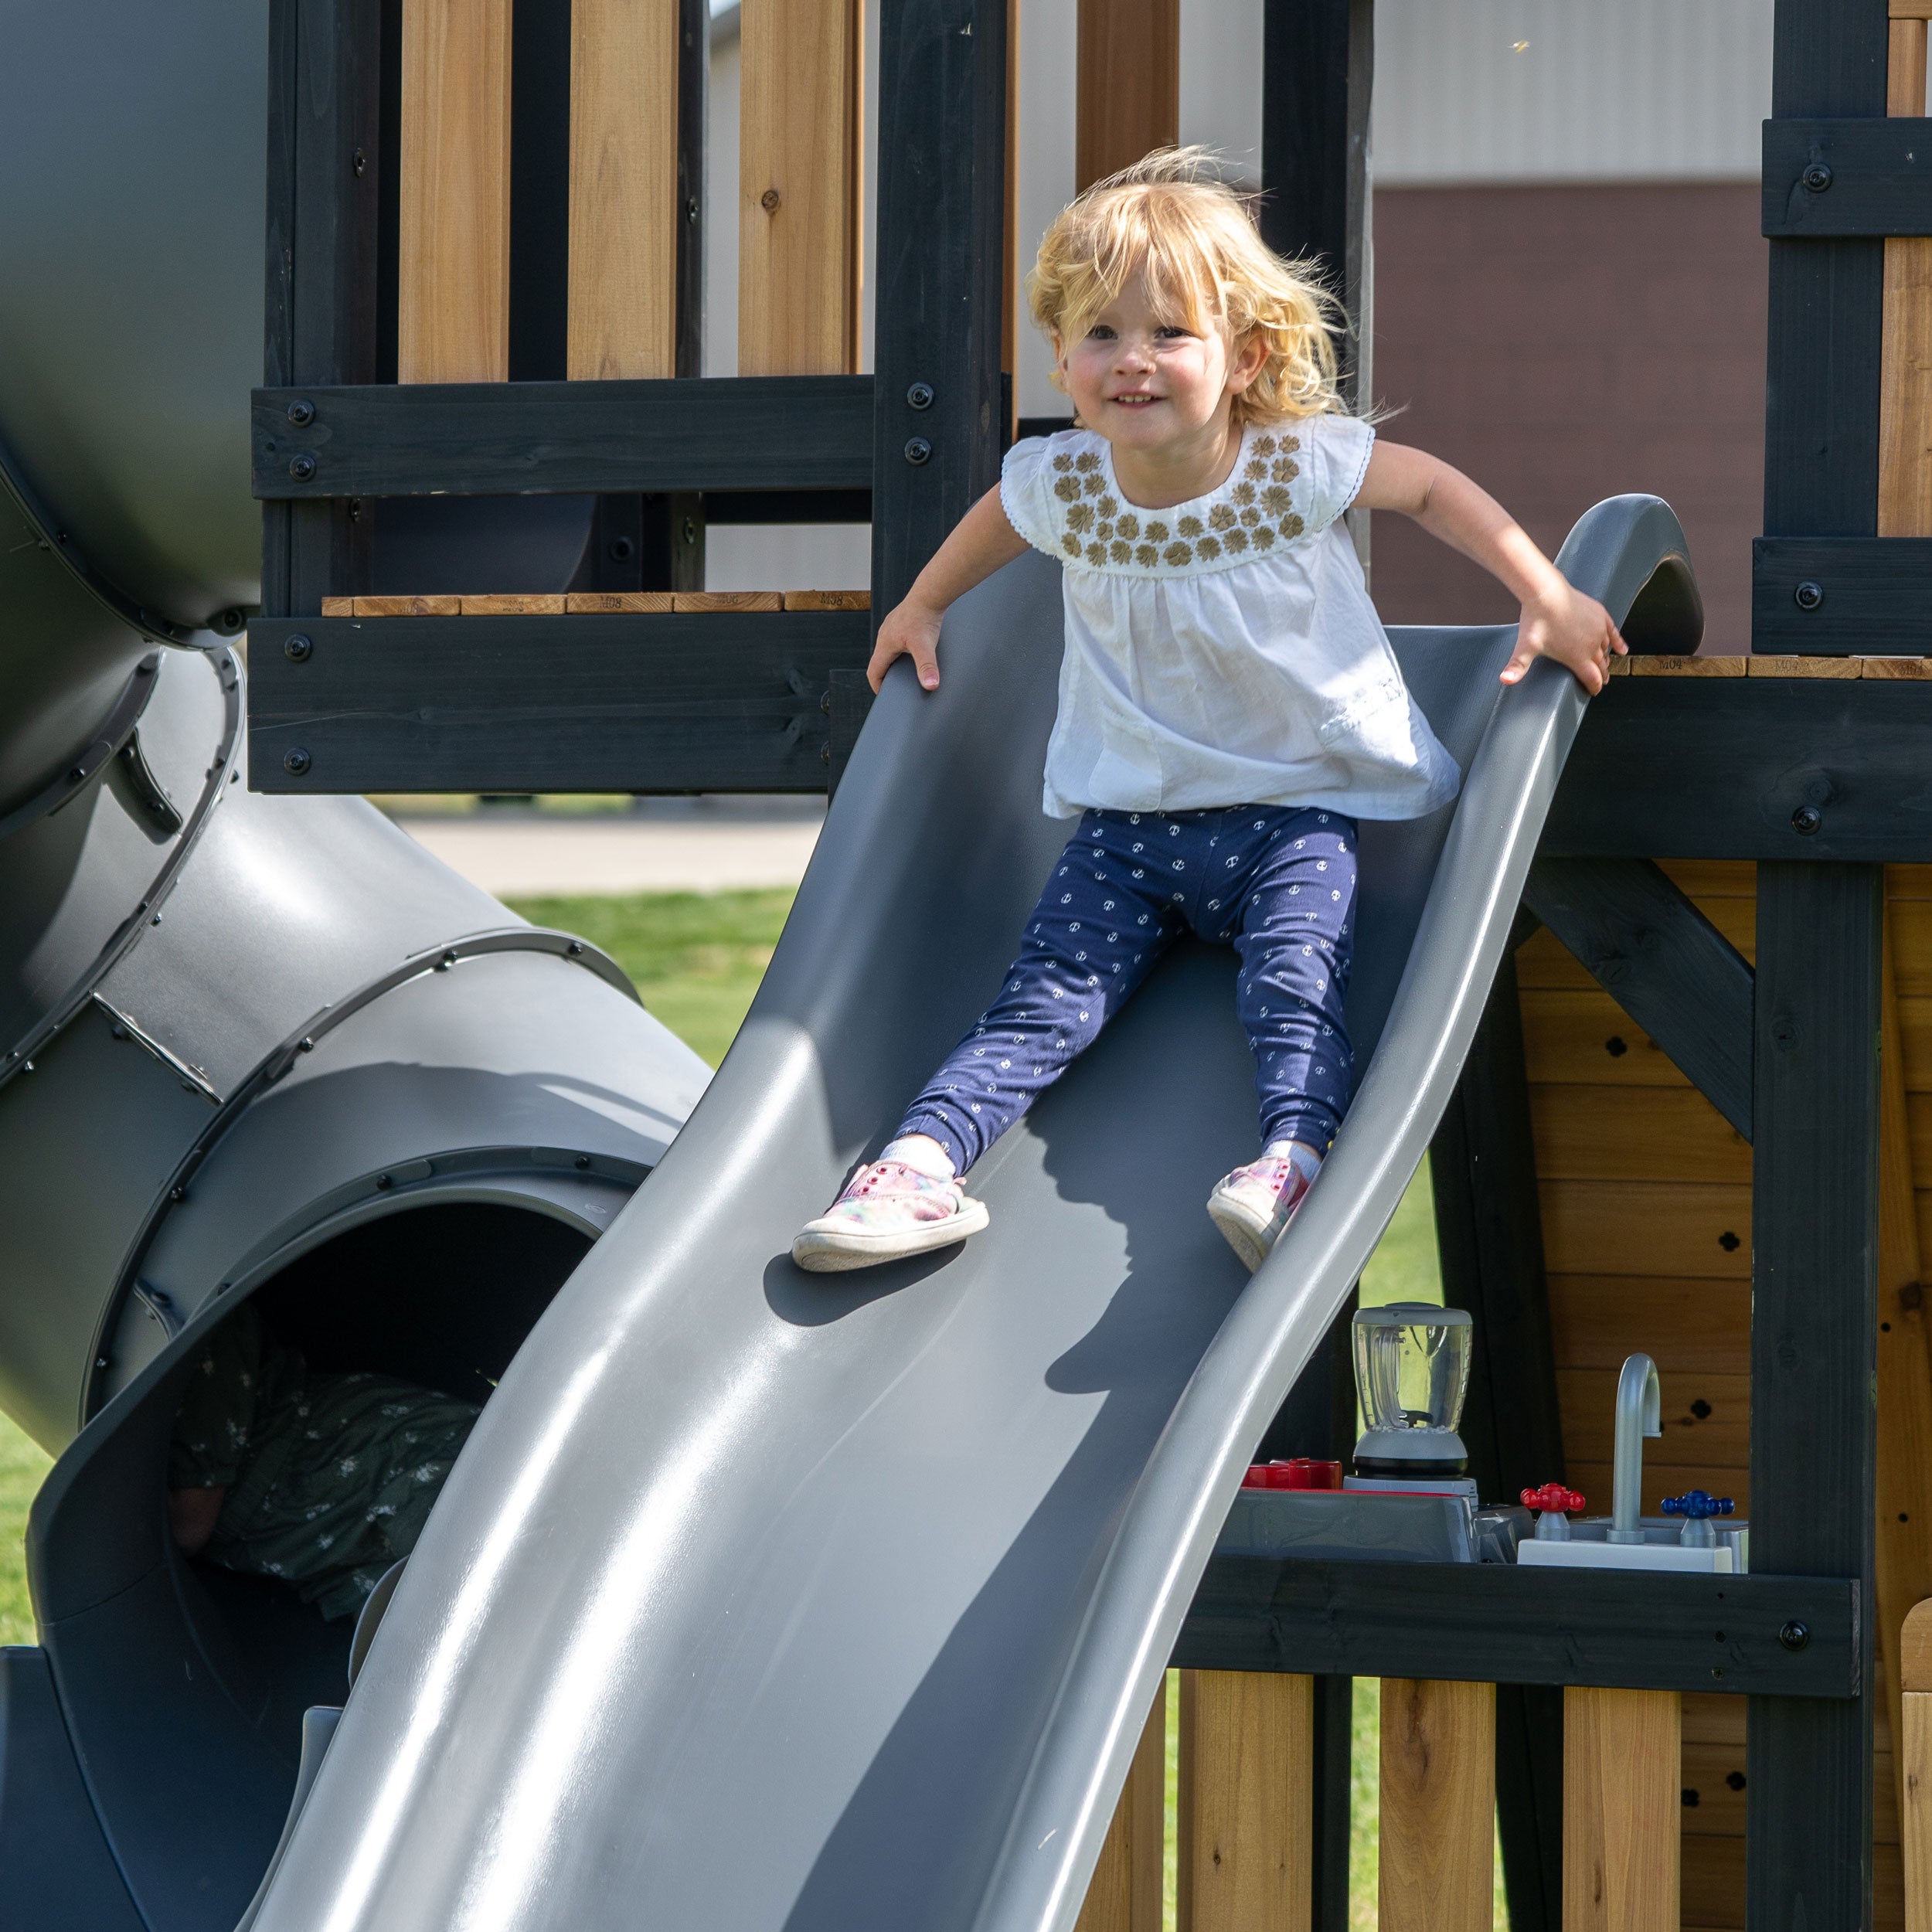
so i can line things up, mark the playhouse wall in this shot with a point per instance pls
(1645, 1193)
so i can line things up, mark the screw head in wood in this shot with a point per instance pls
(1794, 1635)
(918, 451)
(920, 396)
(301, 467)
(298, 649)
(302, 412)
(1809, 595)
(295, 761)
(1817, 177)
(1806, 821)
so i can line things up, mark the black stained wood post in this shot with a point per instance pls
(324, 106)
(938, 429)
(1317, 70)
(1489, 1235)
(1815, 1299)
(682, 514)
(1821, 393)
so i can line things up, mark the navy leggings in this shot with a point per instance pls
(1278, 882)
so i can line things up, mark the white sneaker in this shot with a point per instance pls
(888, 1210)
(1253, 1204)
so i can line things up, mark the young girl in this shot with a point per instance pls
(1228, 702)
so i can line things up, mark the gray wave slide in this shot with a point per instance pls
(762, 1600)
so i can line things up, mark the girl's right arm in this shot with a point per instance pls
(982, 542)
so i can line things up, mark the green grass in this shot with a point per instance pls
(696, 960)
(22, 1463)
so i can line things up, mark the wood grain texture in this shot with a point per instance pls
(624, 188)
(1666, 965)
(1620, 1806)
(1815, 1282)
(418, 606)
(1705, 878)
(1706, 1418)
(1544, 961)
(1903, 1512)
(1246, 1815)
(1125, 1893)
(1915, 1648)
(1905, 353)
(1685, 1326)
(1898, 670)
(1718, 1812)
(1775, 667)
(1437, 1806)
(800, 187)
(1587, 1038)
(453, 286)
(617, 603)
(828, 599)
(1635, 1134)
(515, 603)
(1668, 667)
(1647, 1227)
(1128, 97)
(1915, 1813)
(338, 607)
(718, 600)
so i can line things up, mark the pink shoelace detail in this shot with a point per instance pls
(893, 1185)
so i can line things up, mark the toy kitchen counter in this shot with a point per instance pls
(1410, 1499)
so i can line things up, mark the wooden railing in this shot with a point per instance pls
(1245, 1819)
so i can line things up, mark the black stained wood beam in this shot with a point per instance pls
(321, 324)
(1318, 69)
(1508, 1624)
(1814, 1195)
(513, 439)
(1848, 178)
(1769, 768)
(1482, 1163)
(735, 701)
(1668, 968)
(1838, 596)
(938, 421)
(1826, 296)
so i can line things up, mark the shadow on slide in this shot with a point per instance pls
(761, 1600)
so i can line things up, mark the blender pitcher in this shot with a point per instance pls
(1411, 1373)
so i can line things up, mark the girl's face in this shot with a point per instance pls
(1146, 383)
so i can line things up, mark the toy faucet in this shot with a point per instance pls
(1697, 1509)
(1554, 1503)
(1411, 1373)
(1639, 1413)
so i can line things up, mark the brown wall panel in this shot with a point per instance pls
(1564, 344)
(1720, 1438)
(1647, 1227)
(1637, 1133)
(1692, 1326)
(1585, 1038)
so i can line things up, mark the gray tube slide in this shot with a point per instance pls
(762, 1601)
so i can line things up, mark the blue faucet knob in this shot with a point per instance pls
(1697, 1504)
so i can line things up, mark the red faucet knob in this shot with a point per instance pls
(1552, 1495)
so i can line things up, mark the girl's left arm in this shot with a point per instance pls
(1557, 621)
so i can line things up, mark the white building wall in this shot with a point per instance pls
(1569, 91)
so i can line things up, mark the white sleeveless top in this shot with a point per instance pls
(1224, 652)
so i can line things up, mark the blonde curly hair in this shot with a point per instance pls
(1171, 214)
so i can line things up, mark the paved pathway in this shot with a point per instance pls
(677, 846)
